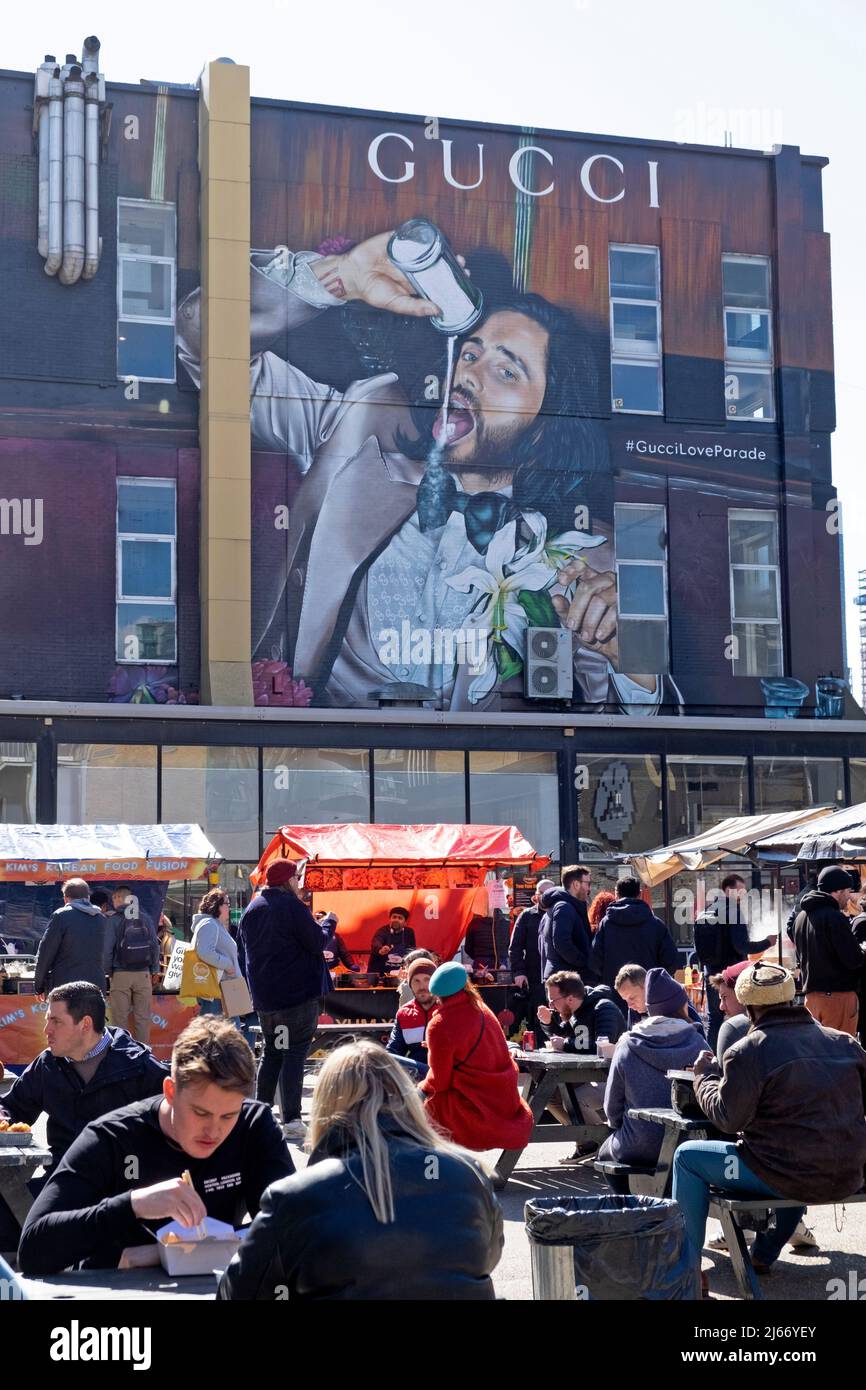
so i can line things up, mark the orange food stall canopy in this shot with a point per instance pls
(398, 856)
(46, 853)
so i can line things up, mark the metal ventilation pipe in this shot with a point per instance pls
(73, 177)
(90, 55)
(55, 174)
(43, 77)
(92, 246)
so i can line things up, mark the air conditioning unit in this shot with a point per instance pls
(548, 670)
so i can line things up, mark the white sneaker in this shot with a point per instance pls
(295, 1132)
(803, 1238)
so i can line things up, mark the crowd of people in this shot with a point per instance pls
(783, 1081)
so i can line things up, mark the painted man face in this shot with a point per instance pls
(499, 383)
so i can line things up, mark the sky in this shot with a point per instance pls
(790, 72)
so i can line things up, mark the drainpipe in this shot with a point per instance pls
(91, 174)
(55, 174)
(73, 178)
(43, 78)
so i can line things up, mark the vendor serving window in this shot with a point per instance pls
(146, 628)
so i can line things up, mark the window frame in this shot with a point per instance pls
(749, 359)
(165, 321)
(662, 564)
(161, 600)
(756, 514)
(636, 356)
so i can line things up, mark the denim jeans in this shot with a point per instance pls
(714, 1009)
(286, 1038)
(705, 1163)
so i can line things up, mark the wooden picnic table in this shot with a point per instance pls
(99, 1285)
(550, 1073)
(18, 1163)
(677, 1130)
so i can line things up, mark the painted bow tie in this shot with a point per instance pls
(484, 513)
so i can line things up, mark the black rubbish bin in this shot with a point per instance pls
(623, 1248)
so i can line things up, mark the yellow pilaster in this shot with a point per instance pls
(224, 406)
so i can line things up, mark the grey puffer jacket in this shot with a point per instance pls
(796, 1094)
(637, 1079)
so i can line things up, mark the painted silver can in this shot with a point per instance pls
(422, 253)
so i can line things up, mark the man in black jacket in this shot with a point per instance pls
(629, 933)
(524, 958)
(391, 943)
(280, 953)
(73, 947)
(124, 1175)
(574, 1021)
(722, 939)
(564, 937)
(829, 956)
(86, 1070)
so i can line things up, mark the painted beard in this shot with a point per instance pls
(492, 448)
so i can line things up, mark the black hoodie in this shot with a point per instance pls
(630, 934)
(830, 959)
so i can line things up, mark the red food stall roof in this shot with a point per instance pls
(383, 845)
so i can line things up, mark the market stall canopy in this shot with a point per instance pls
(398, 856)
(830, 835)
(46, 853)
(736, 835)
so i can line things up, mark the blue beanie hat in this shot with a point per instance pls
(448, 979)
(663, 994)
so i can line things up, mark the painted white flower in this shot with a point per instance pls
(508, 568)
(564, 547)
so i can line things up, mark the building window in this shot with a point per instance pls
(748, 338)
(704, 791)
(756, 604)
(110, 782)
(618, 805)
(218, 789)
(787, 784)
(17, 783)
(642, 587)
(519, 789)
(635, 330)
(314, 786)
(419, 786)
(146, 628)
(146, 251)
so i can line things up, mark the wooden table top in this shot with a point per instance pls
(545, 1058)
(18, 1155)
(102, 1284)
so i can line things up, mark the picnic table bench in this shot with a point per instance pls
(100, 1285)
(648, 1180)
(18, 1163)
(550, 1074)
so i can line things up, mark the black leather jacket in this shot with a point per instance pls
(316, 1236)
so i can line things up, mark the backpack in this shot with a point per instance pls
(134, 946)
(712, 945)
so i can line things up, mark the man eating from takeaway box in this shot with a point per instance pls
(123, 1176)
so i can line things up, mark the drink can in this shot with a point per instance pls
(528, 1042)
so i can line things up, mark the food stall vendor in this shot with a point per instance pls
(334, 949)
(390, 944)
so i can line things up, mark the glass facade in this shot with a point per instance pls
(519, 789)
(418, 786)
(619, 805)
(218, 789)
(314, 786)
(17, 783)
(106, 782)
(702, 792)
(784, 784)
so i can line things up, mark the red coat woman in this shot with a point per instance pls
(471, 1086)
